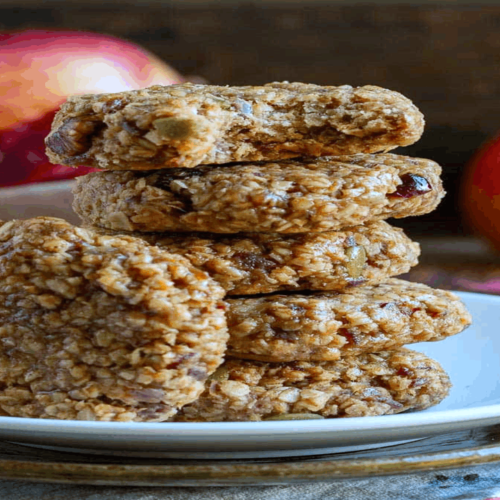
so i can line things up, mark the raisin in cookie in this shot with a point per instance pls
(187, 125)
(293, 196)
(98, 327)
(329, 325)
(358, 386)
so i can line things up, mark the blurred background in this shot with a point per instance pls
(445, 56)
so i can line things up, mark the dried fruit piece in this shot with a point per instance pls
(251, 261)
(412, 185)
(356, 256)
(73, 137)
(351, 338)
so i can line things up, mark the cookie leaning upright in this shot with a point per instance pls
(188, 125)
(100, 327)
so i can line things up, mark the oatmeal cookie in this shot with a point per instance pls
(330, 325)
(358, 386)
(253, 263)
(323, 194)
(97, 327)
(187, 125)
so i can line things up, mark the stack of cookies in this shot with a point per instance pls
(279, 194)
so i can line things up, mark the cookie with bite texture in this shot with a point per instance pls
(187, 125)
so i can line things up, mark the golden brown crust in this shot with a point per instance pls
(317, 195)
(97, 327)
(253, 263)
(187, 125)
(329, 325)
(366, 385)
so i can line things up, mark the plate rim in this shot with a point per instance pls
(215, 429)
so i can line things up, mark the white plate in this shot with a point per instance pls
(472, 359)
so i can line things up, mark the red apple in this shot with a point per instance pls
(481, 192)
(39, 69)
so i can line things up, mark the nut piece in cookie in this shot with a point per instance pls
(358, 386)
(188, 125)
(98, 327)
